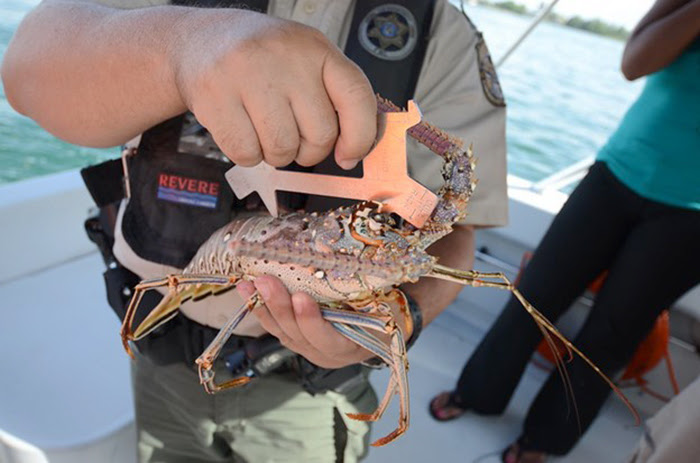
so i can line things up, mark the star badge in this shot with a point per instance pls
(389, 32)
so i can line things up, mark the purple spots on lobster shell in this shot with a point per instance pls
(445, 211)
(325, 231)
(458, 175)
(340, 274)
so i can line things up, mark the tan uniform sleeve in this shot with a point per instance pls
(671, 435)
(451, 97)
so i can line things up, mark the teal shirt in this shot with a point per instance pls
(656, 149)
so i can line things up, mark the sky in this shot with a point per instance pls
(624, 13)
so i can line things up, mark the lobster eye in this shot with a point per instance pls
(395, 220)
(377, 217)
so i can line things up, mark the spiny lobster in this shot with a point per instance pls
(351, 261)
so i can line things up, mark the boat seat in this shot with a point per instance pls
(65, 377)
(14, 450)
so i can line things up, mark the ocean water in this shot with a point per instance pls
(563, 88)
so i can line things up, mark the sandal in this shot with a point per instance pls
(516, 453)
(443, 407)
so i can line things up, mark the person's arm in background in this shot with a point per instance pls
(264, 87)
(660, 37)
(455, 250)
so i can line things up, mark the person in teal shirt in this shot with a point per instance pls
(661, 130)
(636, 215)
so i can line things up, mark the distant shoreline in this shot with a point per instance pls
(595, 26)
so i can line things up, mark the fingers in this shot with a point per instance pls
(305, 127)
(233, 132)
(320, 333)
(297, 322)
(330, 348)
(351, 94)
(275, 125)
(245, 289)
(275, 91)
(279, 131)
(318, 125)
(277, 317)
(270, 127)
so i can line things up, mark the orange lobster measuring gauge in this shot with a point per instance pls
(385, 176)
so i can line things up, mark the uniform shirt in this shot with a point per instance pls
(656, 149)
(450, 95)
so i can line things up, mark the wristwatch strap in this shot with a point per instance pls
(416, 317)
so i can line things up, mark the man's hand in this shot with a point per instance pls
(270, 89)
(265, 88)
(295, 319)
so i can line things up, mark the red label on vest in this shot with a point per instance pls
(186, 190)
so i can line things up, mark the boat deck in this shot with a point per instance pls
(66, 388)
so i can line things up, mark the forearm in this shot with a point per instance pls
(455, 250)
(661, 36)
(265, 88)
(93, 75)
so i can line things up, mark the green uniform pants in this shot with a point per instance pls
(271, 419)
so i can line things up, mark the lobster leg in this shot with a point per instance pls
(194, 286)
(362, 338)
(206, 360)
(398, 362)
(381, 408)
(476, 279)
(374, 345)
(400, 367)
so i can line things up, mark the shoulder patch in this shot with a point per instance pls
(487, 72)
(388, 32)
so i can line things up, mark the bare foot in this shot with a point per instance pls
(514, 454)
(444, 409)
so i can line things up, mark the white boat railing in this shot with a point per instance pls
(536, 20)
(565, 176)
